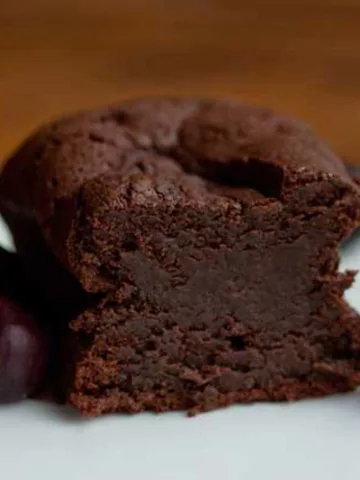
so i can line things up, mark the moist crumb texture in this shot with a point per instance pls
(190, 251)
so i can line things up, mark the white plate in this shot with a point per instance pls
(313, 440)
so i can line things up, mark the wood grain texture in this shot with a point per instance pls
(299, 56)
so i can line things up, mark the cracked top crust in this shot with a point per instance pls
(205, 142)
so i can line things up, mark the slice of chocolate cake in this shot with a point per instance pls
(204, 236)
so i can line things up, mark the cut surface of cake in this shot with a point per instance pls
(192, 248)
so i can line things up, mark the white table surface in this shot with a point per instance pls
(312, 440)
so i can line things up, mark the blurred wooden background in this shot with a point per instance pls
(299, 56)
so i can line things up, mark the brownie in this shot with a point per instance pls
(192, 246)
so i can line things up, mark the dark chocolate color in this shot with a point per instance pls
(197, 245)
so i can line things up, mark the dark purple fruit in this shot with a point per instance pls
(23, 353)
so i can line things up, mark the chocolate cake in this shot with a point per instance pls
(192, 247)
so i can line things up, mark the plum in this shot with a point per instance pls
(23, 353)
